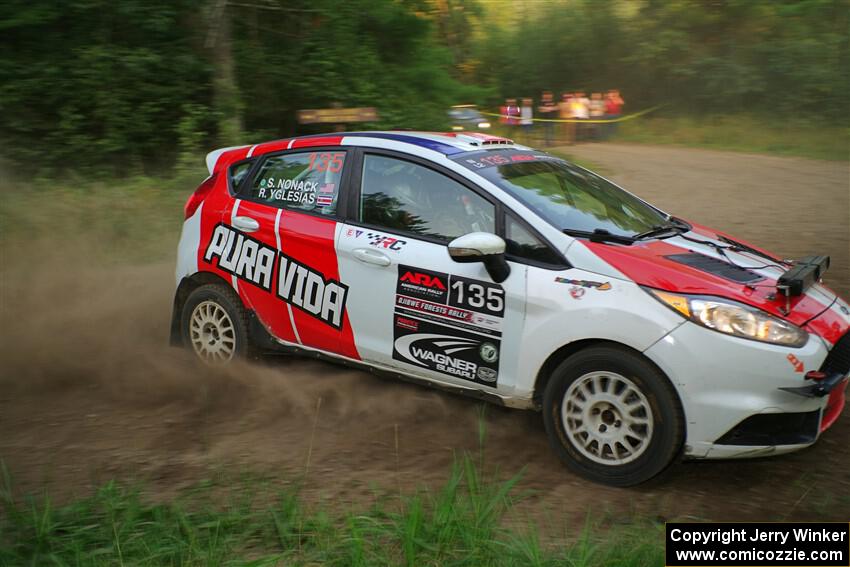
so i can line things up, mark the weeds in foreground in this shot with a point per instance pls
(461, 524)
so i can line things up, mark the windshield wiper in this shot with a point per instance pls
(600, 235)
(658, 230)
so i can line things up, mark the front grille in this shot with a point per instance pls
(838, 359)
(715, 267)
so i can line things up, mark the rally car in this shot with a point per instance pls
(481, 266)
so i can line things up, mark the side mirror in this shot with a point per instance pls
(482, 247)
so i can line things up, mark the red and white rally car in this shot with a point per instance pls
(472, 263)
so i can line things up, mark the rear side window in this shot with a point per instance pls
(522, 244)
(238, 172)
(303, 181)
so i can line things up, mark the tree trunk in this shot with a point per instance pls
(226, 99)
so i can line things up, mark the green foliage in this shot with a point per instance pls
(138, 86)
(356, 53)
(463, 524)
(790, 58)
(87, 83)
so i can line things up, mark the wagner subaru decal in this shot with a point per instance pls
(447, 350)
(242, 256)
(449, 324)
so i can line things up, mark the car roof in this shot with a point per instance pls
(446, 143)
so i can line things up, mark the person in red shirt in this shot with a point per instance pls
(613, 109)
(510, 113)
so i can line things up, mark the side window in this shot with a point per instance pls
(401, 195)
(304, 181)
(522, 244)
(238, 172)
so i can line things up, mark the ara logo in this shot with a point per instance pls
(419, 278)
(242, 256)
(305, 288)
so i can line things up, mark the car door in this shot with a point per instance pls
(412, 307)
(286, 211)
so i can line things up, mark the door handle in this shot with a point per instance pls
(371, 257)
(246, 223)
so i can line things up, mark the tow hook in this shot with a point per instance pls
(822, 385)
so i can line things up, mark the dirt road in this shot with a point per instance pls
(90, 392)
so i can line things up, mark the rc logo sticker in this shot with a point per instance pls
(386, 242)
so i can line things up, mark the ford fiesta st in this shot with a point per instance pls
(485, 267)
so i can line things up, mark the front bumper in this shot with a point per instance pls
(733, 397)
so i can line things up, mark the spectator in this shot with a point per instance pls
(511, 112)
(597, 112)
(526, 119)
(613, 110)
(565, 112)
(580, 112)
(548, 111)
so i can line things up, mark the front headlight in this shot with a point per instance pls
(483, 125)
(732, 318)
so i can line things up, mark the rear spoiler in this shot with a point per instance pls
(212, 157)
(805, 272)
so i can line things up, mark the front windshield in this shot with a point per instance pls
(567, 196)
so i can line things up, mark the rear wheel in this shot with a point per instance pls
(612, 416)
(214, 324)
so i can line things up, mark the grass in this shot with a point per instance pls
(461, 524)
(127, 221)
(742, 133)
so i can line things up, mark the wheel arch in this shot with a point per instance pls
(184, 289)
(569, 349)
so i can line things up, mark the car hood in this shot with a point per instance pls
(689, 264)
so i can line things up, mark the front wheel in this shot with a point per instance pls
(214, 324)
(612, 416)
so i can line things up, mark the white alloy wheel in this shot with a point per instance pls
(607, 418)
(212, 333)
